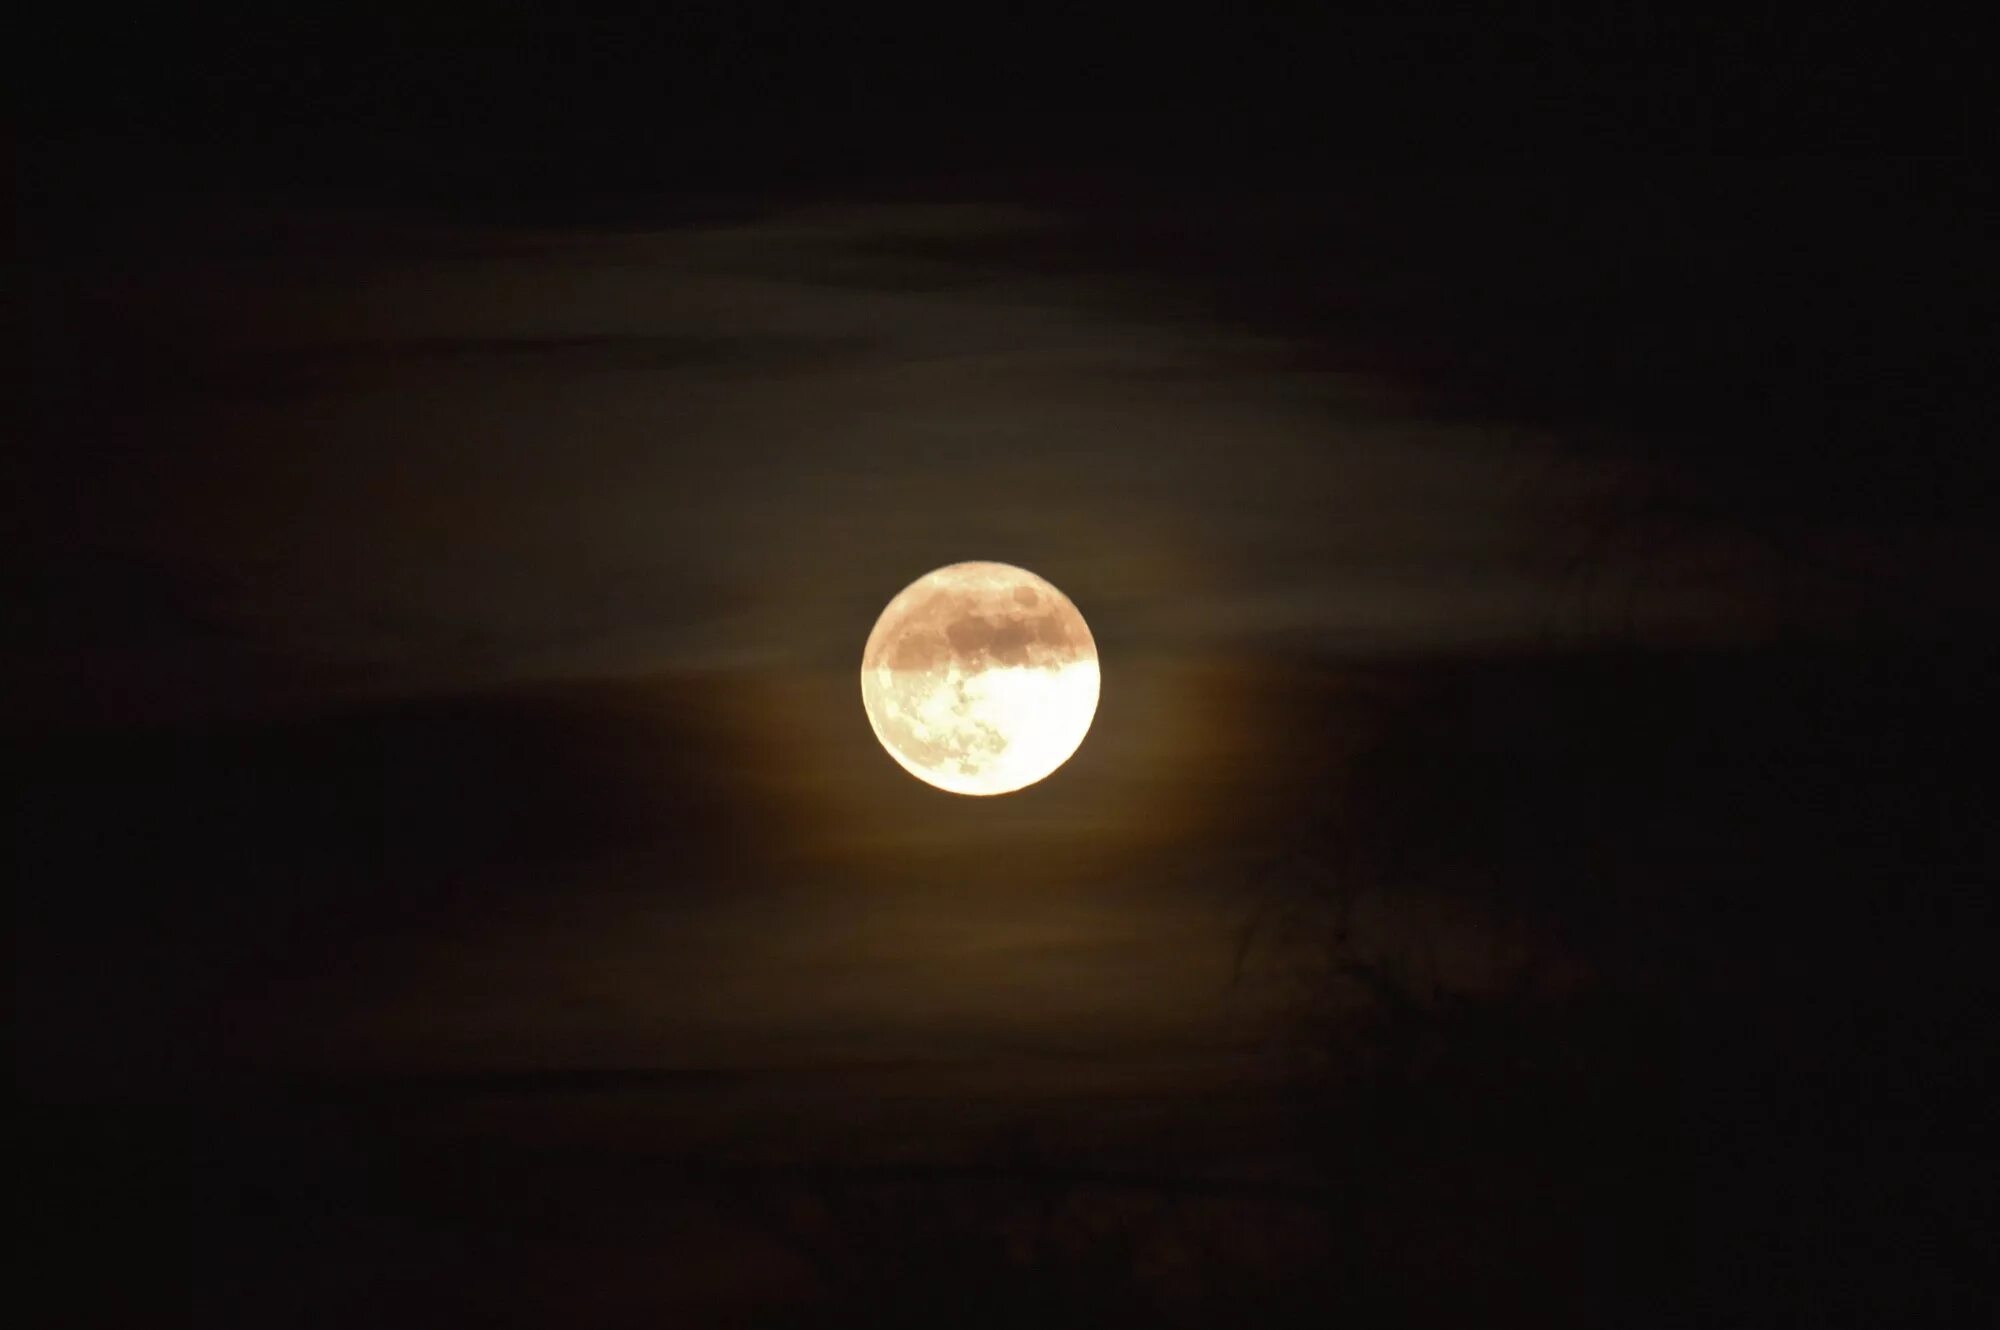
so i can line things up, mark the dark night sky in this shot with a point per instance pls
(1526, 483)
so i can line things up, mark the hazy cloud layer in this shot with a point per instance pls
(437, 456)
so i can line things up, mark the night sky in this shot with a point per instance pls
(1529, 486)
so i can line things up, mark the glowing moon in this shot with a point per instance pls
(980, 678)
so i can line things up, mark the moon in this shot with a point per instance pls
(980, 678)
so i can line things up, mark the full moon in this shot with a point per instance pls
(980, 678)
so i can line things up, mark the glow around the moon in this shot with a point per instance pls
(980, 678)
